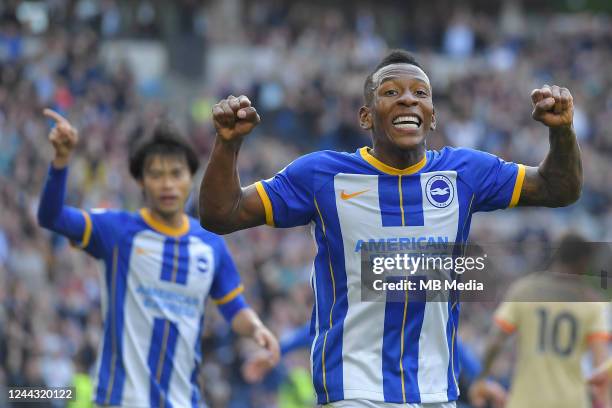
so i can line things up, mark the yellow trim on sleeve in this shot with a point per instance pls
(385, 168)
(163, 228)
(230, 296)
(518, 185)
(87, 231)
(265, 199)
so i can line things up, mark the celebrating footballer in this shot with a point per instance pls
(385, 354)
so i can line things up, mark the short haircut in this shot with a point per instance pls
(573, 249)
(165, 141)
(394, 57)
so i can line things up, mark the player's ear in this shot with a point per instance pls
(433, 120)
(365, 118)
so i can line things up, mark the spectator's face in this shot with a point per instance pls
(401, 112)
(166, 181)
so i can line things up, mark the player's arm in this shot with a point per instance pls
(600, 388)
(246, 323)
(227, 293)
(257, 365)
(52, 213)
(557, 181)
(497, 340)
(225, 206)
(602, 373)
(483, 389)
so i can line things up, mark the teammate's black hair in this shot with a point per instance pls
(394, 57)
(574, 248)
(166, 140)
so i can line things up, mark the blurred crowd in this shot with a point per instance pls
(305, 76)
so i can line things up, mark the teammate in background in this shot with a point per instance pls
(370, 354)
(160, 267)
(557, 319)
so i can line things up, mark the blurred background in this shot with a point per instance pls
(114, 66)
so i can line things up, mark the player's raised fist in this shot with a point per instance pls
(553, 106)
(234, 117)
(63, 137)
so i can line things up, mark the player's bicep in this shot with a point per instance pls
(252, 209)
(534, 191)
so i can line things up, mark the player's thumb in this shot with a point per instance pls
(248, 114)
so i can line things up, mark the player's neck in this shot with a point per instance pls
(397, 158)
(174, 220)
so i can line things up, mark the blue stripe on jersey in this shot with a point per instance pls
(451, 338)
(400, 364)
(111, 376)
(169, 255)
(183, 261)
(323, 304)
(331, 299)
(401, 201)
(175, 260)
(389, 201)
(412, 201)
(465, 199)
(195, 392)
(161, 355)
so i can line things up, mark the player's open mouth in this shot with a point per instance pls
(407, 122)
(168, 199)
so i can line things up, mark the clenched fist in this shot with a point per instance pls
(553, 106)
(63, 137)
(234, 117)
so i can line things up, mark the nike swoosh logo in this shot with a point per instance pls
(346, 196)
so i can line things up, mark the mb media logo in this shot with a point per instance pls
(440, 192)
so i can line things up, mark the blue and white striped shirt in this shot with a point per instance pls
(155, 285)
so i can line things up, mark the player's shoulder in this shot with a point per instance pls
(113, 215)
(450, 156)
(523, 288)
(323, 159)
(318, 168)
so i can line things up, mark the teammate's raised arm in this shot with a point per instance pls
(224, 205)
(52, 213)
(557, 181)
(63, 137)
